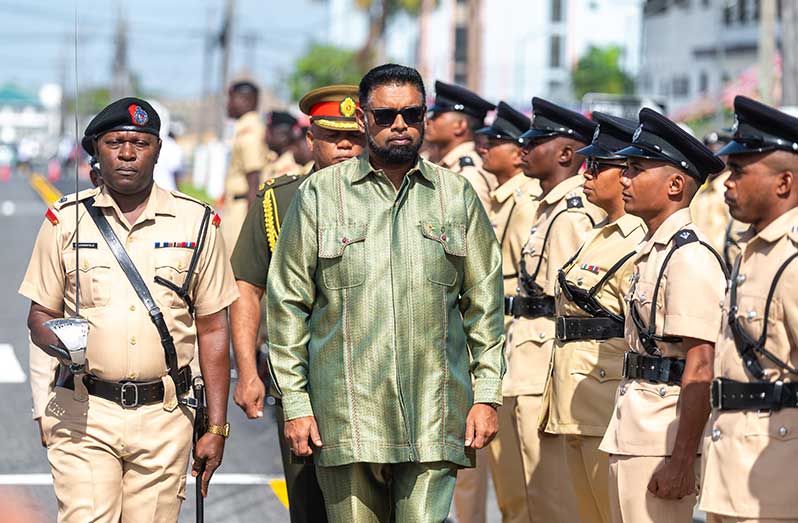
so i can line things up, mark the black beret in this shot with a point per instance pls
(508, 125)
(126, 114)
(611, 134)
(759, 128)
(282, 118)
(449, 97)
(552, 120)
(658, 138)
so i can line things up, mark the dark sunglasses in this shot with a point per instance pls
(411, 115)
(595, 166)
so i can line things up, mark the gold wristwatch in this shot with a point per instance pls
(222, 430)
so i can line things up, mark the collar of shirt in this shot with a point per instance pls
(669, 227)
(784, 224)
(628, 224)
(365, 168)
(562, 189)
(159, 202)
(453, 157)
(247, 119)
(505, 190)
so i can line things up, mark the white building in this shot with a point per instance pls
(692, 49)
(526, 47)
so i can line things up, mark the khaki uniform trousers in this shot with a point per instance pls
(111, 464)
(718, 518)
(471, 490)
(630, 500)
(233, 214)
(589, 467)
(550, 496)
(384, 492)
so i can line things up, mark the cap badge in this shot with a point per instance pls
(596, 133)
(138, 115)
(636, 135)
(735, 125)
(347, 107)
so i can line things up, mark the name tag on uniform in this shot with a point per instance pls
(84, 245)
(179, 245)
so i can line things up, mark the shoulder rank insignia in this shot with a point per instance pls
(51, 217)
(262, 186)
(574, 202)
(271, 220)
(684, 237)
(217, 220)
(466, 161)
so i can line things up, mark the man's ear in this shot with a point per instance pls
(567, 154)
(309, 138)
(677, 184)
(459, 126)
(360, 116)
(784, 184)
(158, 152)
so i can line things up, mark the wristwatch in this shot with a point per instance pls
(222, 430)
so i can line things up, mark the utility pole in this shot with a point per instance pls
(767, 49)
(250, 41)
(207, 59)
(423, 39)
(474, 64)
(226, 42)
(789, 53)
(121, 84)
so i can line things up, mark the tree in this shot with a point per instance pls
(599, 71)
(324, 65)
(379, 13)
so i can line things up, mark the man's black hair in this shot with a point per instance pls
(390, 74)
(245, 87)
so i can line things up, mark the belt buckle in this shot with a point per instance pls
(559, 328)
(626, 364)
(508, 306)
(128, 385)
(716, 394)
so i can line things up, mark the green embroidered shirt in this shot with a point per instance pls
(385, 313)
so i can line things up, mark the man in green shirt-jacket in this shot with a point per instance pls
(384, 306)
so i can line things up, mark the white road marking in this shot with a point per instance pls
(218, 479)
(10, 369)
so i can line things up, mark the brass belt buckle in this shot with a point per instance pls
(129, 385)
(559, 329)
(626, 364)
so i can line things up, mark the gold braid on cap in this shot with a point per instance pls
(270, 219)
(345, 124)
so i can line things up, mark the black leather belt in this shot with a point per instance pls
(529, 306)
(131, 394)
(737, 395)
(652, 368)
(570, 328)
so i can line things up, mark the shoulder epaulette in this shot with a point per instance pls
(684, 237)
(182, 196)
(273, 183)
(70, 198)
(574, 202)
(271, 220)
(466, 161)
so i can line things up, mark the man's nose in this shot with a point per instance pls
(127, 151)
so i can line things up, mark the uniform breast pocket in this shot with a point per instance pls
(95, 278)
(342, 255)
(444, 247)
(172, 265)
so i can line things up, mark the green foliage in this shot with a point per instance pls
(599, 71)
(324, 65)
(195, 192)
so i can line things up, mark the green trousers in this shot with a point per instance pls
(388, 492)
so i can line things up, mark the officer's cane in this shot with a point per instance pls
(200, 427)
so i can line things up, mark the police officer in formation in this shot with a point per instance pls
(627, 384)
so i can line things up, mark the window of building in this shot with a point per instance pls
(742, 11)
(460, 43)
(727, 14)
(703, 82)
(555, 51)
(556, 10)
(706, 3)
(681, 86)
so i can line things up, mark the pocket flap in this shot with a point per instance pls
(452, 236)
(335, 238)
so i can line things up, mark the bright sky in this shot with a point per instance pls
(165, 40)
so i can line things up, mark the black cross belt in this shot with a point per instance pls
(570, 328)
(652, 368)
(737, 395)
(529, 306)
(131, 394)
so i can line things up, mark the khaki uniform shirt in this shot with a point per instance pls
(383, 306)
(711, 215)
(283, 164)
(530, 340)
(123, 343)
(749, 456)
(464, 160)
(587, 372)
(645, 419)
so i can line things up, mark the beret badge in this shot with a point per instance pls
(138, 115)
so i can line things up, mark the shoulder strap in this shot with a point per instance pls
(271, 220)
(507, 224)
(747, 347)
(648, 336)
(135, 279)
(466, 161)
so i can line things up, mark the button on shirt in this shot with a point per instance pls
(645, 420)
(376, 299)
(123, 341)
(587, 372)
(746, 452)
